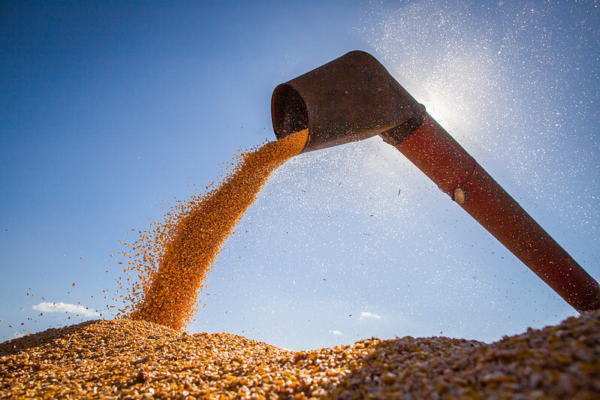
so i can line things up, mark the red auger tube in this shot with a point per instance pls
(457, 174)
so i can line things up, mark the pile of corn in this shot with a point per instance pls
(138, 359)
(172, 261)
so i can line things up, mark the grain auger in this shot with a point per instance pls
(354, 98)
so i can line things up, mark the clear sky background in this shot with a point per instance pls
(108, 108)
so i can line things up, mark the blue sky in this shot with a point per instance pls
(109, 108)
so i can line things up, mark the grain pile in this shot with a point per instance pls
(170, 262)
(137, 359)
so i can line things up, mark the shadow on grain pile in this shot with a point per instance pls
(137, 359)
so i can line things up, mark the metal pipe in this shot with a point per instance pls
(348, 99)
(354, 98)
(457, 174)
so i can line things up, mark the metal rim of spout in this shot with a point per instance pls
(288, 111)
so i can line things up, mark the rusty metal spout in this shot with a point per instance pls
(354, 98)
(349, 99)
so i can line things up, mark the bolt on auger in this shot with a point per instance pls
(354, 98)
